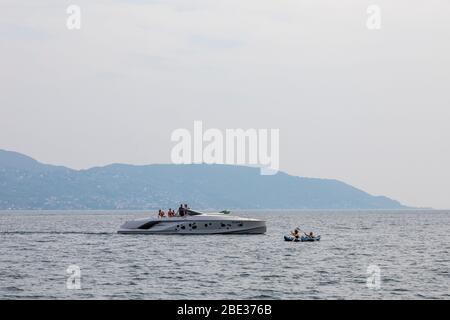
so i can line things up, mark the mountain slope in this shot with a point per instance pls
(28, 184)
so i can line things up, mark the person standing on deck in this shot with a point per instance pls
(181, 210)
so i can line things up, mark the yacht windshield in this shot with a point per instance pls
(193, 213)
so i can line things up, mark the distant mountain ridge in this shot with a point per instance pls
(28, 184)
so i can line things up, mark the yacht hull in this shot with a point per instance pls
(194, 225)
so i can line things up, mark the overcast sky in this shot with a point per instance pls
(368, 107)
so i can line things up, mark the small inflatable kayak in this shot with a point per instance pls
(302, 239)
(289, 238)
(308, 238)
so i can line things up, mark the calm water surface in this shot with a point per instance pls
(411, 248)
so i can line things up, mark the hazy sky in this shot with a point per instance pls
(368, 107)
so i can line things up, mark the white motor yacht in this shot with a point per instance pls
(194, 222)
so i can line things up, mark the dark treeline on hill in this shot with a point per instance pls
(28, 184)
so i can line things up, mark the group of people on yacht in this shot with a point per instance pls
(181, 212)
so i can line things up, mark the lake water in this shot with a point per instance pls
(410, 249)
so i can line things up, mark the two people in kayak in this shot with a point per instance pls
(296, 233)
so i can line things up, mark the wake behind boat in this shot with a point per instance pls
(194, 222)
